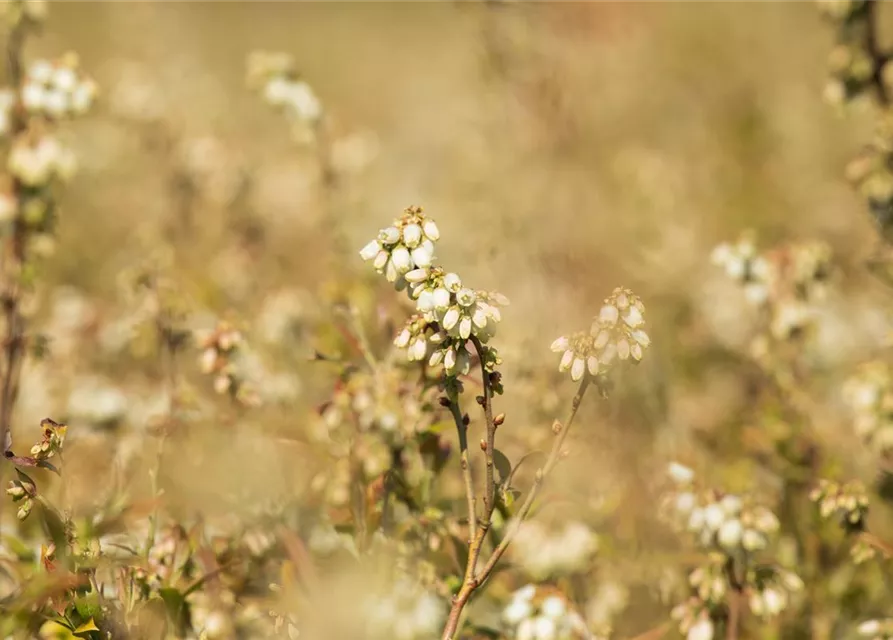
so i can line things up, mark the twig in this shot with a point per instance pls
(473, 580)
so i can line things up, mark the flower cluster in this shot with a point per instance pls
(23, 489)
(449, 313)
(219, 351)
(848, 502)
(544, 553)
(382, 417)
(694, 620)
(542, 614)
(57, 88)
(786, 281)
(871, 173)
(617, 332)
(275, 76)
(718, 522)
(406, 612)
(878, 629)
(407, 245)
(852, 65)
(732, 532)
(869, 394)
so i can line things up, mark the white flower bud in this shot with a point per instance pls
(633, 317)
(412, 235)
(463, 361)
(731, 504)
(608, 354)
(566, 360)
(33, 96)
(465, 327)
(419, 348)
(774, 601)
(560, 344)
(544, 628)
(441, 298)
(641, 337)
(64, 79)
(381, 259)
(401, 260)
(370, 250)
(636, 352)
(601, 338)
(623, 349)
(416, 275)
(402, 339)
(730, 534)
(700, 630)
(389, 235)
(753, 540)
(553, 607)
(608, 315)
(41, 71)
(714, 516)
(56, 103)
(680, 473)
(480, 317)
(449, 360)
(516, 611)
(685, 503)
(422, 257)
(431, 230)
(526, 630)
(592, 365)
(450, 318)
(390, 271)
(425, 300)
(436, 358)
(466, 297)
(578, 369)
(869, 628)
(452, 282)
(696, 520)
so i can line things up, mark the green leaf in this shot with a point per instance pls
(176, 607)
(88, 606)
(86, 627)
(503, 465)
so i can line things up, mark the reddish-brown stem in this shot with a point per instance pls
(474, 580)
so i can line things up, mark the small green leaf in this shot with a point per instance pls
(503, 465)
(86, 627)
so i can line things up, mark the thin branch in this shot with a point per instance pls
(472, 582)
(462, 429)
(487, 404)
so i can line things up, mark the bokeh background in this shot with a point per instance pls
(563, 148)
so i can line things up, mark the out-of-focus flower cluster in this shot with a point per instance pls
(219, 358)
(848, 504)
(449, 313)
(617, 332)
(371, 419)
(275, 76)
(57, 88)
(734, 532)
(406, 612)
(871, 173)
(544, 552)
(786, 282)
(853, 65)
(869, 394)
(878, 629)
(23, 489)
(534, 613)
